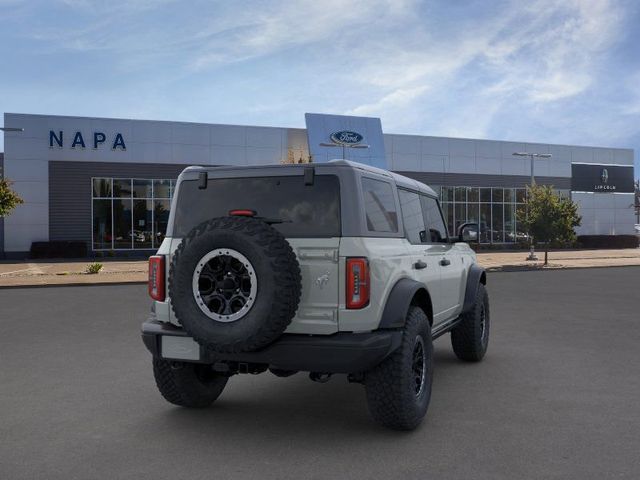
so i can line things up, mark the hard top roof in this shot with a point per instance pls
(400, 180)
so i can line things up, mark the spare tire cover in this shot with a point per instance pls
(234, 284)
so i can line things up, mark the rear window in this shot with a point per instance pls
(305, 210)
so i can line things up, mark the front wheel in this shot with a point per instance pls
(470, 338)
(190, 385)
(399, 389)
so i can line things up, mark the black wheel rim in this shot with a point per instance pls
(483, 323)
(419, 366)
(224, 285)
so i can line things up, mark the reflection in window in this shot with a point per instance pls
(142, 188)
(161, 189)
(122, 232)
(380, 206)
(129, 213)
(102, 224)
(122, 187)
(497, 222)
(485, 223)
(412, 216)
(435, 225)
(461, 216)
(102, 187)
(160, 220)
(500, 212)
(142, 224)
(509, 223)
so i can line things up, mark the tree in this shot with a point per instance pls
(550, 217)
(8, 198)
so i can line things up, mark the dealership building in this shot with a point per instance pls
(109, 182)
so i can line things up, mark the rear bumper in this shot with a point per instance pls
(338, 353)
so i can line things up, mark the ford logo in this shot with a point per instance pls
(346, 137)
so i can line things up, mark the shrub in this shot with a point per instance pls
(608, 241)
(93, 268)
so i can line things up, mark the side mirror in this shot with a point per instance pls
(469, 232)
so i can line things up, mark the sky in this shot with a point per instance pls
(539, 71)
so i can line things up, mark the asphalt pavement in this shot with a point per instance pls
(557, 396)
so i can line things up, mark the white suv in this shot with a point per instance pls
(325, 268)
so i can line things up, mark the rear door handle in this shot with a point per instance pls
(444, 262)
(419, 265)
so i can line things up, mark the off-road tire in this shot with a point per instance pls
(390, 386)
(190, 385)
(470, 338)
(278, 280)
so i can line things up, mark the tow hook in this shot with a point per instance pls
(320, 377)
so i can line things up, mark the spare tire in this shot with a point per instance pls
(234, 284)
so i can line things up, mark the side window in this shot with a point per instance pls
(437, 232)
(379, 205)
(412, 216)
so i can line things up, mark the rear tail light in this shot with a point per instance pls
(242, 212)
(156, 277)
(357, 282)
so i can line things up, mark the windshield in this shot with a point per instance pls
(304, 210)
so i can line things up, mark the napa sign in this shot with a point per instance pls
(98, 139)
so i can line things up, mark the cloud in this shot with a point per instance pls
(289, 25)
(537, 70)
(397, 99)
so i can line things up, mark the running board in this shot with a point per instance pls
(444, 327)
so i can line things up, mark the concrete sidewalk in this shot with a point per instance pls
(72, 272)
(511, 261)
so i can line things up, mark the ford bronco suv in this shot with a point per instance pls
(332, 268)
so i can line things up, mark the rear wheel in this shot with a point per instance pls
(191, 385)
(399, 389)
(470, 338)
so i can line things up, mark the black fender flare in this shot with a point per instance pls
(399, 300)
(476, 276)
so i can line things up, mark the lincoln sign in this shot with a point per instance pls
(601, 178)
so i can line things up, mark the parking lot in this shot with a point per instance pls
(556, 397)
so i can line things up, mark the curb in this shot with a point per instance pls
(525, 268)
(54, 285)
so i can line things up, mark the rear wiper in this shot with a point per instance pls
(272, 221)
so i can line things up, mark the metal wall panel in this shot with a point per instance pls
(478, 180)
(70, 192)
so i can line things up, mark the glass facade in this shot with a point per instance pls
(494, 209)
(130, 213)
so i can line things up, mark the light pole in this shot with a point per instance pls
(532, 253)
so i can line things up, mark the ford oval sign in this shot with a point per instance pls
(346, 137)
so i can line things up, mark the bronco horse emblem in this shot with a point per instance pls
(322, 280)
